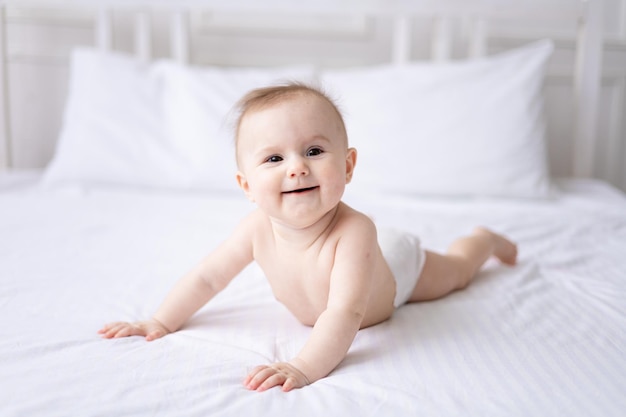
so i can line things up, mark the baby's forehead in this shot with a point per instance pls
(288, 99)
(292, 100)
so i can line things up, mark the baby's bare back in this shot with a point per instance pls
(300, 273)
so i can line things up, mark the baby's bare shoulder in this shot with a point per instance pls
(250, 225)
(350, 214)
(355, 224)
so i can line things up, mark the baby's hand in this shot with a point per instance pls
(265, 377)
(150, 329)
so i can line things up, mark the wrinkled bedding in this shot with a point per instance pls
(546, 337)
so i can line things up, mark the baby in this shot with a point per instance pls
(325, 261)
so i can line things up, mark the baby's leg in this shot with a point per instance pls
(454, 270)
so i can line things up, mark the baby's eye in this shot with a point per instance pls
(274, 158)
(314, 152)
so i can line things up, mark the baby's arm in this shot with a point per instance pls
(336, 327)
(194, 289)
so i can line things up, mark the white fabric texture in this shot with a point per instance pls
(422, 128)
(544, 338)
(159, 124)
(113, 129)
(461, 128)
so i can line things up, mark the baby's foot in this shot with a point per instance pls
(504, 249)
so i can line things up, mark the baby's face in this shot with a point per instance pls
(293, 159)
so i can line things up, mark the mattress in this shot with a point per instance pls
(545, 337)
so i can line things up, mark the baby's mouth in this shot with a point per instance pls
(300, 190)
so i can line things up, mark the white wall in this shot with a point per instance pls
(39, 42)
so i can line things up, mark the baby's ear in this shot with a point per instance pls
(243, 184)
(350, 164)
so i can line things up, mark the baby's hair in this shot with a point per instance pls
(265, 97)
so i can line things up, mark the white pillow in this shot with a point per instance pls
(139, 124)
(113, 130)
(198, 103)
(462, 128)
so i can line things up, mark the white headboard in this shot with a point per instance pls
(476, 17)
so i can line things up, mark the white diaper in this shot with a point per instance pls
(405, 258)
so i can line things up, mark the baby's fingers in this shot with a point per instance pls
(252, 379)
(155, 334)
(109, 330)
(262, 378)
(120, 329)
(272, 381)
(290, 384)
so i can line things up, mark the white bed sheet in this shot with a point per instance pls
(547, 337)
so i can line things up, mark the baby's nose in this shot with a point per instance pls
(298, 168)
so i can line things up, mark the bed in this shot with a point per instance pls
(136, 194)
